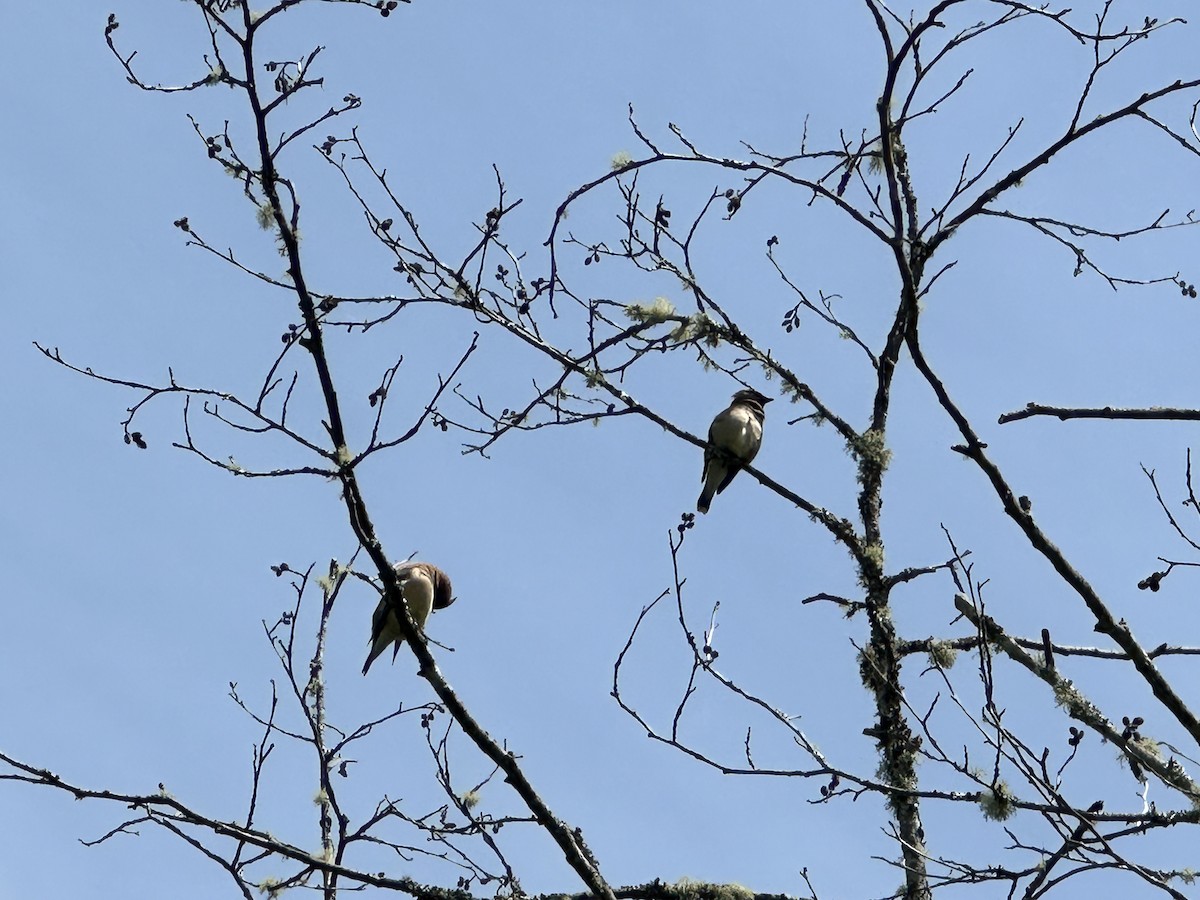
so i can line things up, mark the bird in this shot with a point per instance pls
(733, 441)
(424, 587)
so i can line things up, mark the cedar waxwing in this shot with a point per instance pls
(425, 587)
(733, 440)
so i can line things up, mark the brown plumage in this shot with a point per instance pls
(733, 441)
(425, 588)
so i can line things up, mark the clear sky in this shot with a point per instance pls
(137, 581)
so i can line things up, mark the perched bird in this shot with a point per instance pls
(425, 588)
(733, 440)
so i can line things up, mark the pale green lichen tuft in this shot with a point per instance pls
(871, 452)
(701, 328)
(871, 565)
(620, 160)
(942, 655)
(660, 309)
(868, 668)
(1077, 706)
(997, 802)
(690, 889)
(1149, 748)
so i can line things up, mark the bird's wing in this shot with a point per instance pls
(715, 429)
(384, 630)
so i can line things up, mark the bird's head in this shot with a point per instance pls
(749, 395)
(443, 593)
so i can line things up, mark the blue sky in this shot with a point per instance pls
(137, 581)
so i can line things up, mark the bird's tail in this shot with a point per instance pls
(370, 659)
(705, 500)
(378, 645)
